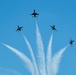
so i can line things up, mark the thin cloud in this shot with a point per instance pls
(4, 71)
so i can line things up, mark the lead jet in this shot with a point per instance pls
(53, 28)
(19, 28)
(34, 14)
(71, 42)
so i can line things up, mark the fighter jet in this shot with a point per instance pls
(53, 28)
(71, 41)
(34, 14)
(19, 28)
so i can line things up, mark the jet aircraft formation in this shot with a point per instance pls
(35, 14)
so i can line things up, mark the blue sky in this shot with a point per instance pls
(52, 12)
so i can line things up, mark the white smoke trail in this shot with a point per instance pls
(56, 61)
(41, 55)
(49, 56)
(26, 60)
(32, 55)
